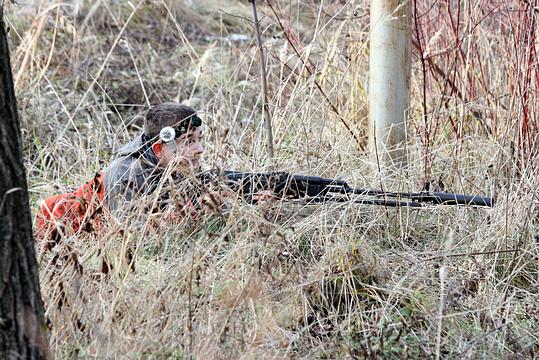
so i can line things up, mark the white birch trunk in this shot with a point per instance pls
(389, 79)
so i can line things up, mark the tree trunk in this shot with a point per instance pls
(22, 331)
(389, 80)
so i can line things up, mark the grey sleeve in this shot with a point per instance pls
(121, 188)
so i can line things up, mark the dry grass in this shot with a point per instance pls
(332, 281)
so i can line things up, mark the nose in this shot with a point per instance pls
(198, 149)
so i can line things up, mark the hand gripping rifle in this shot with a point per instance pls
(316, 189)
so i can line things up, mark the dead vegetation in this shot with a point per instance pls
(331, 281)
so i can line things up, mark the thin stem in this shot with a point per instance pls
(265, 105)
(318, 86)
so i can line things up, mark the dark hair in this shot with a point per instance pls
(180, 117)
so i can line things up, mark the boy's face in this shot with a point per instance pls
(187, 153)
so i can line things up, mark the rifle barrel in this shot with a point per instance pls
(438, 198)
(382, 202)
(444, 198)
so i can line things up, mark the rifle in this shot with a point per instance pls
(315, 189)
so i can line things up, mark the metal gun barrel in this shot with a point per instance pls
(443, 198)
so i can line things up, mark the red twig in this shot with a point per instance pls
(420, 47)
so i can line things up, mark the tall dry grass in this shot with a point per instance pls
(282, 280)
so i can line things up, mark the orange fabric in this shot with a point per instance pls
(66, 214)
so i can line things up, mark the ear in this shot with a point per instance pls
(157, 148)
